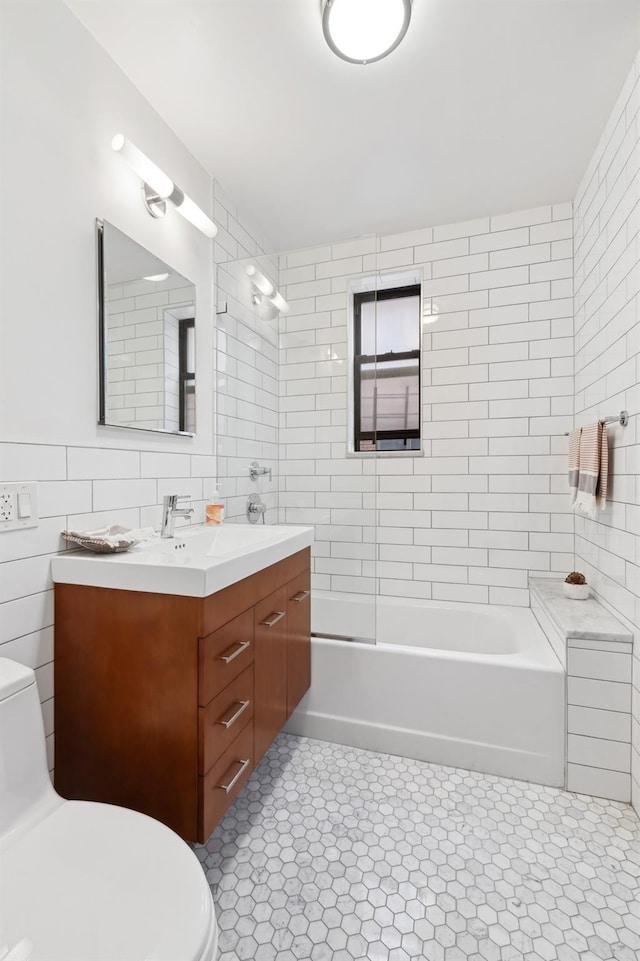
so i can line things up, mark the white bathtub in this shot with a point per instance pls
(463, 685)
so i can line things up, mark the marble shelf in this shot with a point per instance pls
(587, 620)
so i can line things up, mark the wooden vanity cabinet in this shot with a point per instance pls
(165, 703)
(298, 639)
(271, 665)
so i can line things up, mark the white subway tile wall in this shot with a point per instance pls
(79, 488)
(246, 368)
(486, 504)
(607, 377)
(142, 350)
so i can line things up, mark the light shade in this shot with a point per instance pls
(191, 212)
(158, 187)
(266, 288)
(149, 172)
(362, 31)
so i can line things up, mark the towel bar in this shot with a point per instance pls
(622, 418)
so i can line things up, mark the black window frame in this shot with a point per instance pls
(390, 293)
(186, 378)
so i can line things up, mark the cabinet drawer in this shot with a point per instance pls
(221, 786)
(223, 718)
(225, 654)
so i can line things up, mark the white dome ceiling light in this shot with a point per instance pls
(363, 31)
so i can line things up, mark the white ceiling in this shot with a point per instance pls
(487, 106)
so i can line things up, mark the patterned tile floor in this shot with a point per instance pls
(334, 854)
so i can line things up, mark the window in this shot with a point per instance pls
(187, 374)
(386, 374)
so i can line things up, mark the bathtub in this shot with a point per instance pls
(464, 685)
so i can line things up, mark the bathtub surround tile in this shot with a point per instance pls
(598, 782)
(487, 376)
(606, 695)
(600, 665)
(601, 753)
(333, 852)
(607, 360)
(597, 650)
(591, 722)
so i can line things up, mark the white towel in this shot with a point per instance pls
(115, 535)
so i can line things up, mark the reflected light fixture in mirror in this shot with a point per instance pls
(158, 188)
(266, 288)
(363, 31)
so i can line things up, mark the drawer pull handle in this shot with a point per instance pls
(234, 780)
(273, 619)
(227, 722)
(300, 596)
(227, 657)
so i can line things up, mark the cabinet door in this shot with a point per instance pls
(298, 639)
(270, 669)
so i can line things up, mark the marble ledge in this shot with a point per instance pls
(587, 620)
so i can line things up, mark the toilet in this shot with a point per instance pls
(83, 881)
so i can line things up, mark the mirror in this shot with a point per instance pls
(146, 316)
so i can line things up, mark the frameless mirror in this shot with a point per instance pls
(146, 316)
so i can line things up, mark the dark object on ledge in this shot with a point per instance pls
(575, 577)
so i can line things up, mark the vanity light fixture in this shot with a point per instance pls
(265, 288)
(363, 31)
(157, 278)
(157, 188)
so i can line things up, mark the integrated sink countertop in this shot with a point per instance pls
(196, 562)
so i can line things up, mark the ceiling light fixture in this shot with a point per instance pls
(266, 289)
(363, 31)
(156, 278)
(157, 188)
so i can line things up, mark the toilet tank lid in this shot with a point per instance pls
(14, 677)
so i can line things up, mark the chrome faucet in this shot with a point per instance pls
(255, 508)
(170, 511)
(255, 471)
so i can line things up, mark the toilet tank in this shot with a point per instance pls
(26, 791)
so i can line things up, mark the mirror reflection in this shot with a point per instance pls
(147, 314)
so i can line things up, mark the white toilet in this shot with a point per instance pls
(81, 881)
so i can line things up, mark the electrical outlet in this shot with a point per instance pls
(7, 507)
(18, 505)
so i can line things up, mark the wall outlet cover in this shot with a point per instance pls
(18, 505)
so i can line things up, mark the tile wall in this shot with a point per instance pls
(246, 367)
(84, 487)
(142, 347)
(79, 488)
(486, 504)
(607, 350)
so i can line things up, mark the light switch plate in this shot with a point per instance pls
(15, 513)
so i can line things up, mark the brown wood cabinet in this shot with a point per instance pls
(165, 703)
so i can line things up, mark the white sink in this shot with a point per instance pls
(215, 541)
(196, 562)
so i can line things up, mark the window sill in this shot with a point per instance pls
(385, 453)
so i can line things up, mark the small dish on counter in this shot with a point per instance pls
(106, 540)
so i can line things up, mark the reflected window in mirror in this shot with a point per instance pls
(187, 376)
(144, 305)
